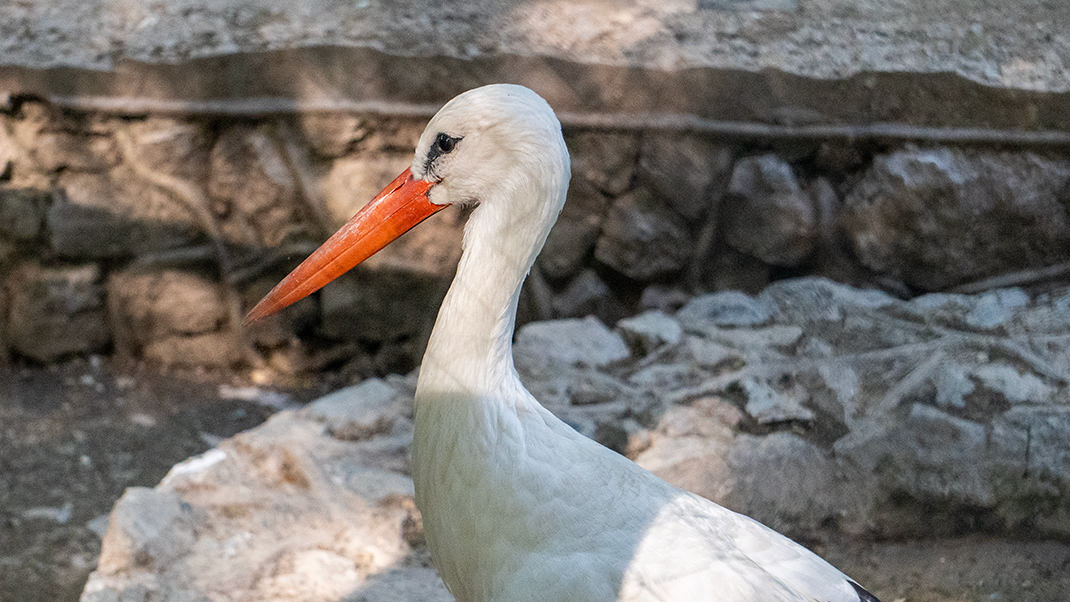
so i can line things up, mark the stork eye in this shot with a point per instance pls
(445, 143)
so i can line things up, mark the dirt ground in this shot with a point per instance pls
(74, 436)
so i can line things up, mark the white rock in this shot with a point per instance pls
(728, 308)
(767, 405)
(573, 342)
(650, 330)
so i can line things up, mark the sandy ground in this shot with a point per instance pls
(1022, 44)
(73, 436)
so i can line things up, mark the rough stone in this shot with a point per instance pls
(642, 239)
(370, 304)
(905, 217)
(176, 147)
(572, 342)
(218, 349)
(767, 214)
(605, 160)
(768, 405)
(283, 512)
(66, 150)
(650, 330)
(332, 135)
(144, 306)
(250, 179)
(724, 309)
(148, 529)
(587, 294)
(116, 214)
(687, 171)
(362, 411)
(22, 212)
(568, 246)
(56, 310)
(322, 494)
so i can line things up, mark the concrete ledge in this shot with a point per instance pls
(335, 78)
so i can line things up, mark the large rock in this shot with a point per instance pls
(22, 212)
(840, 408)
(643, 239)
(906, 217)
(172, 317)
(605, 160)
(174, 146)
(689, 172)
(147, 305)
(767, 214)
(251, 180)
(116, 214)
(56, 310)
(284, 512)
(371, 304)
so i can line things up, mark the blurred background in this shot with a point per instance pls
(833, 237)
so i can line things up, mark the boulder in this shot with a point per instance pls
(643, 239)
(605, 160)
(767, 214)
(839, 409)
(22, 212)
(905, 216)
(651, 330)
(116, 214)
(587, 294)
(689, 172)
(253, 187)
(56, 310)
(146, 305)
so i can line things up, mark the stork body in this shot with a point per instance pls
(516, 505)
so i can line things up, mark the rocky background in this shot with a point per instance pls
(149, 237)
(814, 264)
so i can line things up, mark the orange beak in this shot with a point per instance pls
(393, 212)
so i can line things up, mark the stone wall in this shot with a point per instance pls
(149, 236)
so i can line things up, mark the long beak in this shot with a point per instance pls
(393, 212)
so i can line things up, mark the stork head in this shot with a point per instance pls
(498, 145)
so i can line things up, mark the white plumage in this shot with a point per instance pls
(516, 505)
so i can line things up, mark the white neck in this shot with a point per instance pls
(470, 350)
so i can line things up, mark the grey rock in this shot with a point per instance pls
(1013, 385)
(116, 214)
(66, 150)
(174, 146)
(651, 330)
(22, 211)
(56, 311)
(146, 305)
(605, 160)
(687, 171)
(707, 353)
(362, 411)
(993, 309)
(663, 298)
(724, 309)
(812, 299)
(768, 405)
(904, 218)
(643, 239)
(569, 246)
(212, 349)
(332, 135)
(147, 530)
(768, 214)
(572, 342)
(587, 294)
(370, 304)
(250, 179)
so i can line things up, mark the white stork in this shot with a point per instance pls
(517, 506)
